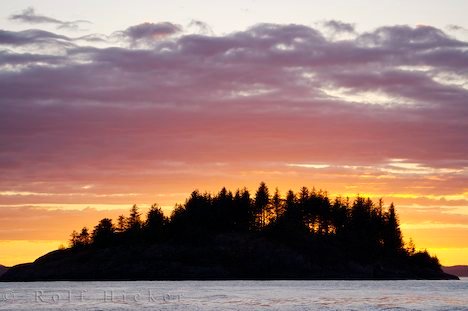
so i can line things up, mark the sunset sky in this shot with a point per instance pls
(104, 104)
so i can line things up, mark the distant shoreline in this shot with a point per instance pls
(458, 270)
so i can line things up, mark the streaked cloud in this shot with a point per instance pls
(29, 16)
(308, 165)
(48, 194)
(339, 26)
(149, 33)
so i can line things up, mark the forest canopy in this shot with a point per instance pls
(308, 221)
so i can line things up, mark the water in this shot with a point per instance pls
(236, 295)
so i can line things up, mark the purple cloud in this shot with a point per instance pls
(339, 27)
(271, 93)
(150, 32)
(29, 16)
(31, 36)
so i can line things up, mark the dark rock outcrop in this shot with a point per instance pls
(223, 257)
(3, 269)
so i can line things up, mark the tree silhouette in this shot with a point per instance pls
(156, 222)
(293, 213)
(241, 210)
(339, 218)
(277, 205)
(392, 238)
(103, 234)
(261, 207)
(134, 222)
(223, 210)
(321, 230)
(79, 240)
(305, 210)
(121, 224)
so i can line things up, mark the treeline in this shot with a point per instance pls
(323, 229)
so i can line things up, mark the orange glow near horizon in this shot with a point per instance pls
(22, 251)
(440, 230)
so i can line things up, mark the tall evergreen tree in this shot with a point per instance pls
(277, 204)
(134, 222)
(121, 224)
(393, 241)
(262, 200)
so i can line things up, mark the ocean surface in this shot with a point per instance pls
(236, 295)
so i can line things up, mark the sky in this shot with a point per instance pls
(110, 104)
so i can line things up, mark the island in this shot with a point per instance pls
(236, 235)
